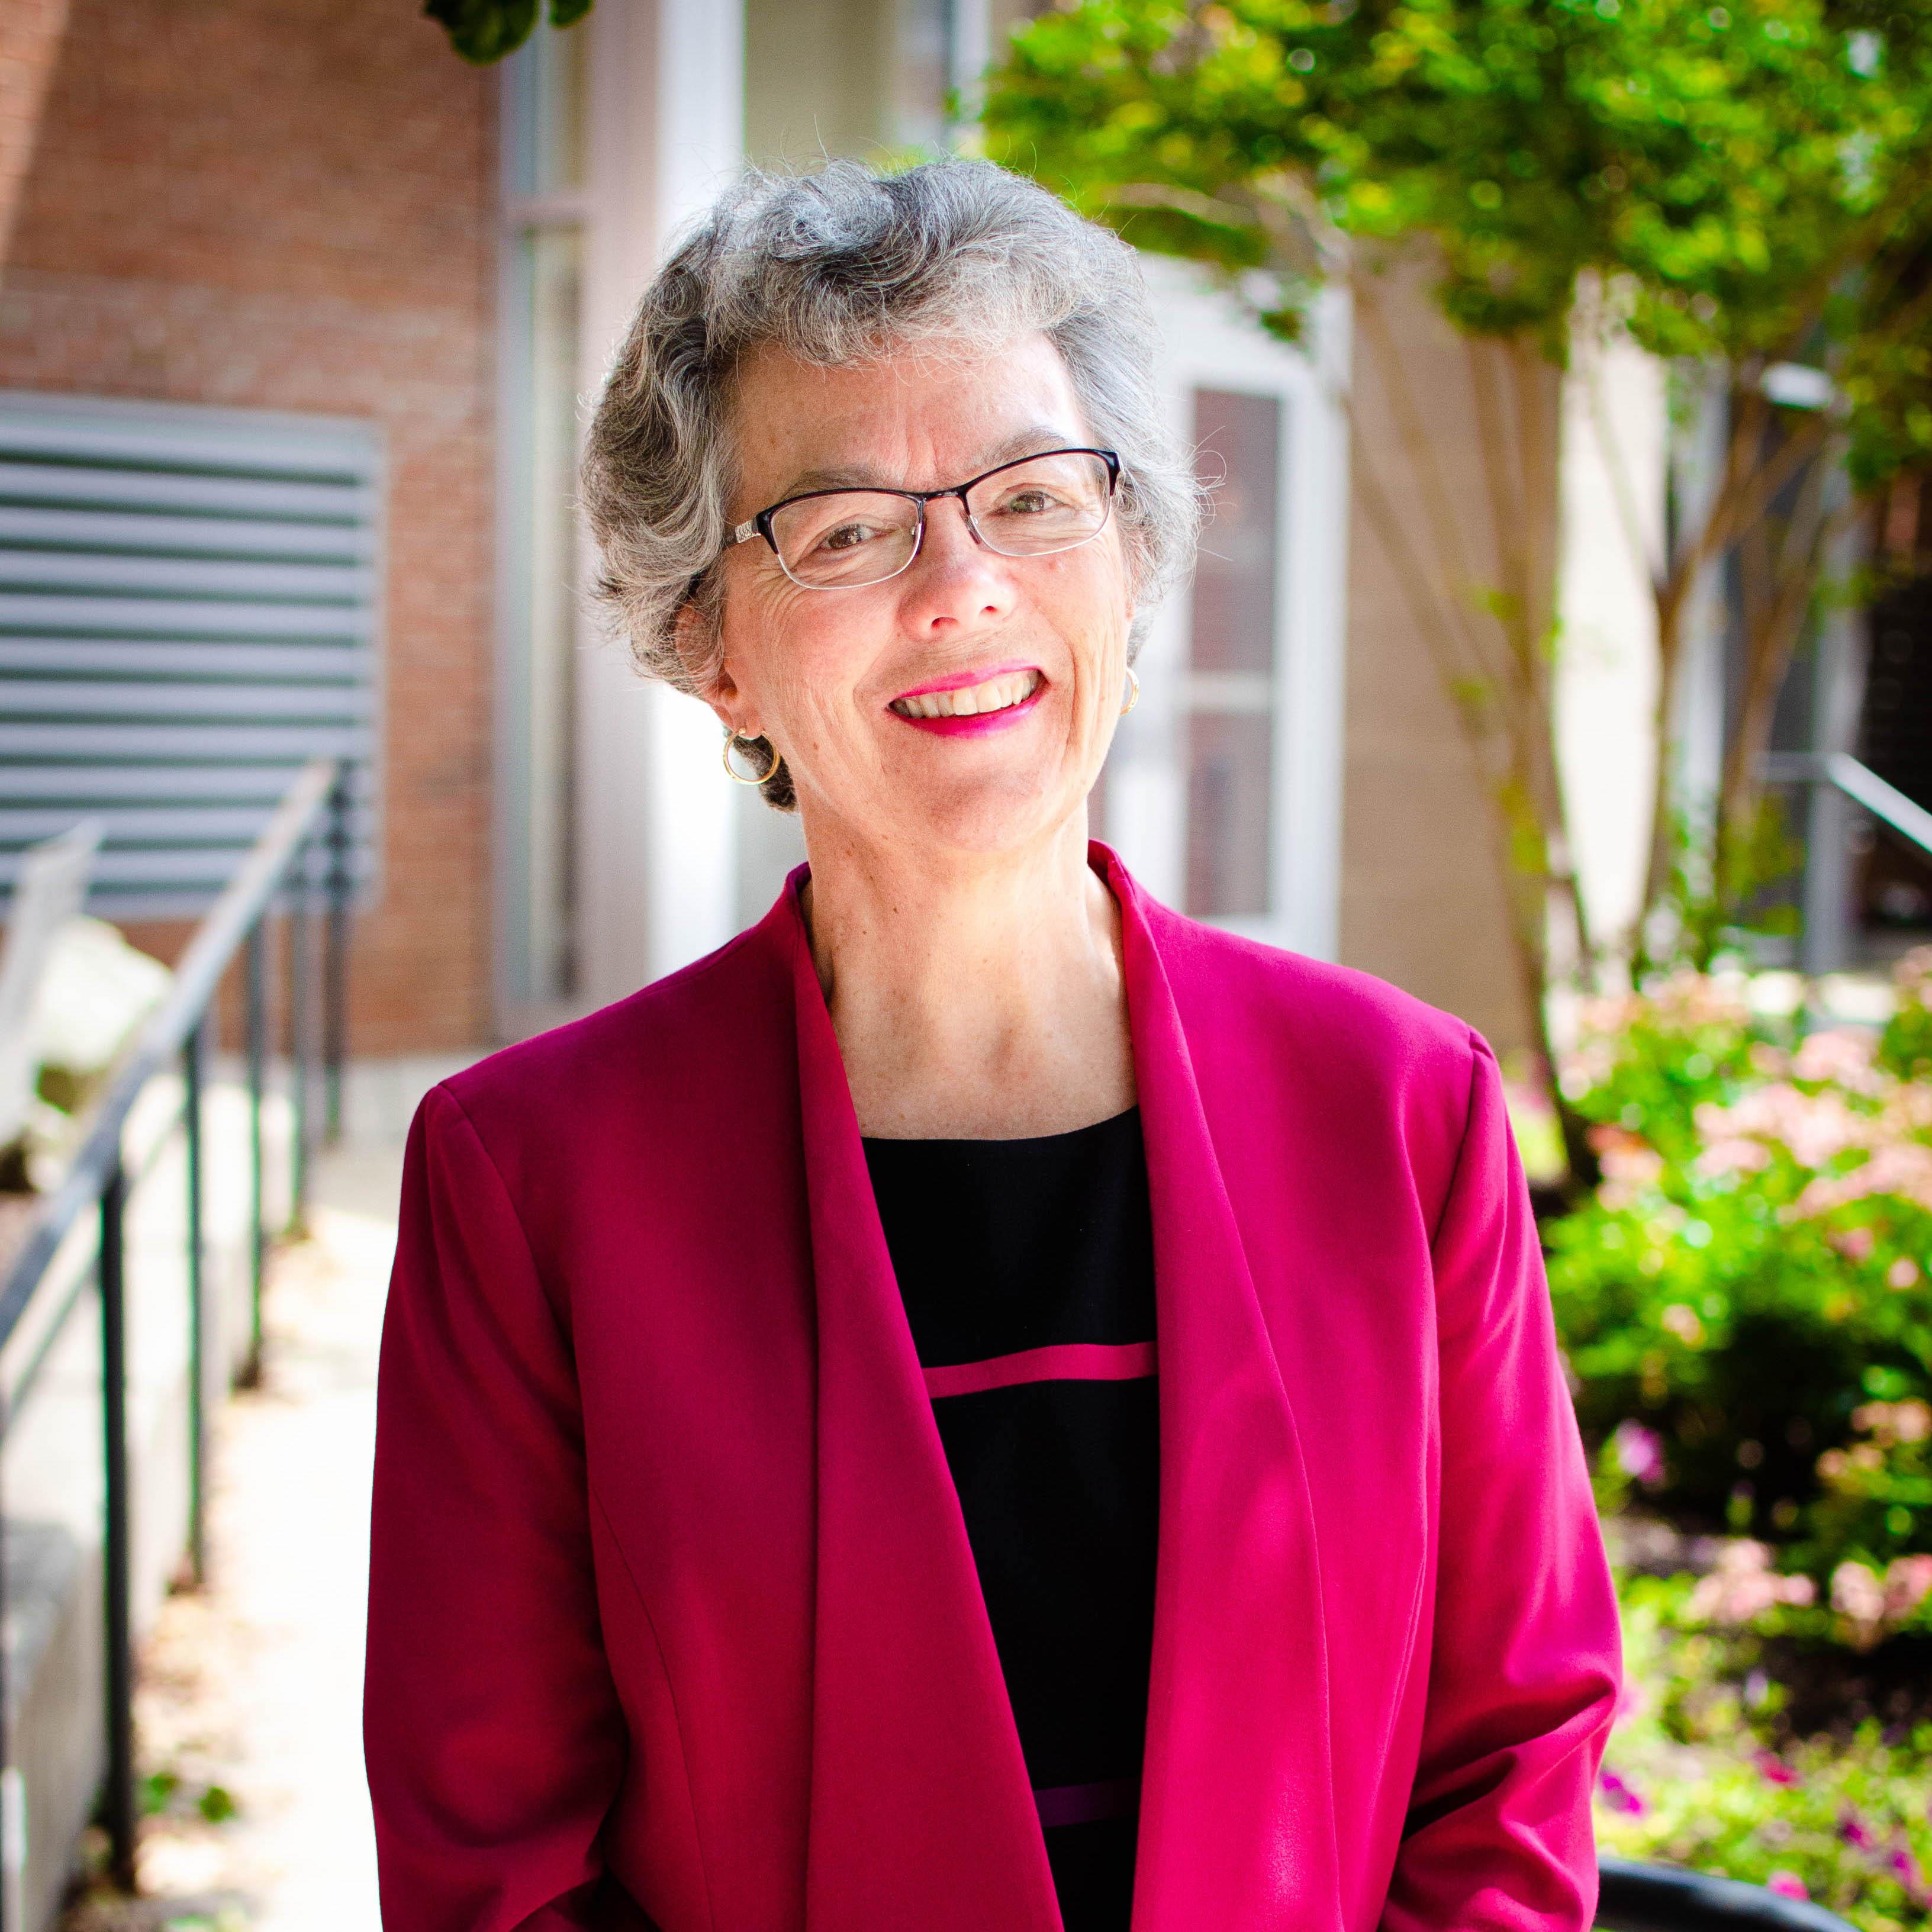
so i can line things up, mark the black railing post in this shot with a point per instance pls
(182, 1034)
(194, 1061)
(335, 959)
(117, 1581)
(301, 1030)
(257, 976)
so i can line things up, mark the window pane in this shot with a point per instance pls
(1229, 788)
(1238, 439)
(1230, 687)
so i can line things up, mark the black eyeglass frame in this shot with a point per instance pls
(761, 525)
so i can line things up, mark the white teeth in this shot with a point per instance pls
(997, 693)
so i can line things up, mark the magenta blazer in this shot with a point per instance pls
(673, 1619)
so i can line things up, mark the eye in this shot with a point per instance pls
(1028, 499)
(849, 535)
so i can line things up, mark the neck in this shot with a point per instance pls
(973, 996)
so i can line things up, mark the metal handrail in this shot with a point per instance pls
(279, 870)
(1860, 784)
(1634, 1898)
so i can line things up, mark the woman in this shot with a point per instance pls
(982, 1404)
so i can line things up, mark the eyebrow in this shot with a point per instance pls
(865, 476)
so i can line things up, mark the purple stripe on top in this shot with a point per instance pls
(1083, 1804)
(1063, 1362)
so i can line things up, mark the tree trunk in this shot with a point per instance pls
(1786, 580)
(1670, 603)
(1477, 567)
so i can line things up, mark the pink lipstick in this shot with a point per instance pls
(1000, 695)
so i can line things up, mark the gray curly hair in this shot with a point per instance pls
(835, 268)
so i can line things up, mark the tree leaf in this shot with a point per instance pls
(484, 31)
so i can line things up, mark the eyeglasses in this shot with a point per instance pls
(845, 539)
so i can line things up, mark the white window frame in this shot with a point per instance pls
(1210, 343)
(527, 805)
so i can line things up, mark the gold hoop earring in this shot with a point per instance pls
(737, 777)
(1133, 691)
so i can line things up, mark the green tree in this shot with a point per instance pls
(1737, 188)
(484, 31)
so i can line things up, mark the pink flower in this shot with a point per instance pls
(1786, 1884)
(1736, 1154)
(1816, 1127)
(1639, 1453)
(1854, 1243)
(1630, 1164)
(1774, 1769)
(1852, 1832)
(1680, 1319)
(1858, 1594)
(1903, 1168)
(1894, 1422)
(1619, 1796)
(1743, 1585)
(1908, 1583)
(1843, 1055)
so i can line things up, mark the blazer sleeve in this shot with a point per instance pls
(1524, 1660)
(494, 1740)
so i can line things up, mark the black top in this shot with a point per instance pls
(1002, 1248)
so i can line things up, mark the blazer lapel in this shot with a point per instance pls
(1236, 1824)
(922, 1817)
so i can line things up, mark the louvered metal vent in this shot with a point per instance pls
(188, 609)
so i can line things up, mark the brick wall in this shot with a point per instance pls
(288, 204)
(30, 36)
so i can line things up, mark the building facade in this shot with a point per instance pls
(312, 214)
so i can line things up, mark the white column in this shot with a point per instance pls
(1313, 693)
(655, 812)
(1606, 665)
(969, 48)
(1698, 703)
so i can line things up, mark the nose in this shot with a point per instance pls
(955, 580)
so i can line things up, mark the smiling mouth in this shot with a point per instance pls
(972, 701)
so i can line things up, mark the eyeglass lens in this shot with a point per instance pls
(1029, 508)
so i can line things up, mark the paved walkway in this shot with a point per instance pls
(250, 1707)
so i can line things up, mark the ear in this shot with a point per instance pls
(722, 694)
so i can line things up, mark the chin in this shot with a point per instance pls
(986, 818)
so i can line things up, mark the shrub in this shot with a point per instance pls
(1702, 1770)
(1752, 1274)
(1907, 1048)
(1876, 1495)
(1644, 1063)
(1859, 1605)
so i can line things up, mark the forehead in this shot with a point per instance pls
(916, 420)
